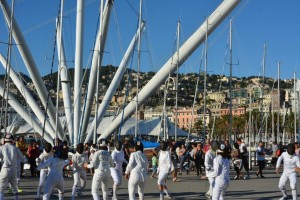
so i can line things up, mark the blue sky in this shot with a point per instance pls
(275, 22)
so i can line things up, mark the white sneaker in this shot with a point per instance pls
(114, 198)
(167, 197)
(207, 194)
(247, 177)
(283, 198)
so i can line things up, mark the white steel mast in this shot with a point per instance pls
(230, 83)
(186, 50)
(78, 69)
(205, 73)
(278, 97)
(138, 74)
(176, 82)
(98, 73)
(295, 113)
(96, 60)
(62, 72)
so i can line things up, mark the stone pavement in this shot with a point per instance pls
(190, 187)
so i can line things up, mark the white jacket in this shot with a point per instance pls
(44, 156)
(11, 156)
(118, 158)
(164, 161)
(289, 162)
(209, 160)
(56, 166)
(138, 162)
(101, 161)
(79, 160)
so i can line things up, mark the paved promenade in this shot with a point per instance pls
(191, 187)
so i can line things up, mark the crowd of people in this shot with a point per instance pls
(110, 161)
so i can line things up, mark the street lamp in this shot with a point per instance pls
(165, 109)
(250, 123)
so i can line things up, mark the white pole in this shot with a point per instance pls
(13, 102)
(115, 82)
(186, 50)
(78, 69)
(64, 78)
(205, 72)
(176, 86)
(230, 83)
(31, 66)
(278, 97)
(295, 113)
(138, 74)
(96, 60)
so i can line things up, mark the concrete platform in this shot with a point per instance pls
(190, 187)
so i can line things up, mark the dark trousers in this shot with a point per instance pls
(198, 164)
(33, 166)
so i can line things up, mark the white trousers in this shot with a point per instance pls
(8, 175)
(100, 178)
(162, 175)
(54, 181)
(219, 188)
(116, 176)
(293, 183)
(79, 176)
(137, 181)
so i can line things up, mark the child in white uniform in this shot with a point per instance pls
(164, 168)
(136, 172)
(209, 164)
(220, 172)
(101, 162)
(47, 153)
(79, 160)
(55, 177)
(116, 172)
(290, 162)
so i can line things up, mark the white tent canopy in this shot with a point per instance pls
(145, 127)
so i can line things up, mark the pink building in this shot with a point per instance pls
(236, 111)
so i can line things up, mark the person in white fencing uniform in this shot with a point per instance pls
(209, 163)
(55, 177)
(47, 154)
(290, 162)
(136, 172)
(79, 160)
(116, 172)
(221, 170)
(164, 168)
(10, 156)
(101, 162)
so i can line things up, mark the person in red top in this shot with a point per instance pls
(33, 153)
(206, 146)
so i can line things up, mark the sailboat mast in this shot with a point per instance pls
(205, 72)
(278, 97)
(295, 113)
(138, 74)
(176, 82)
(262, 94)
(230, 83)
